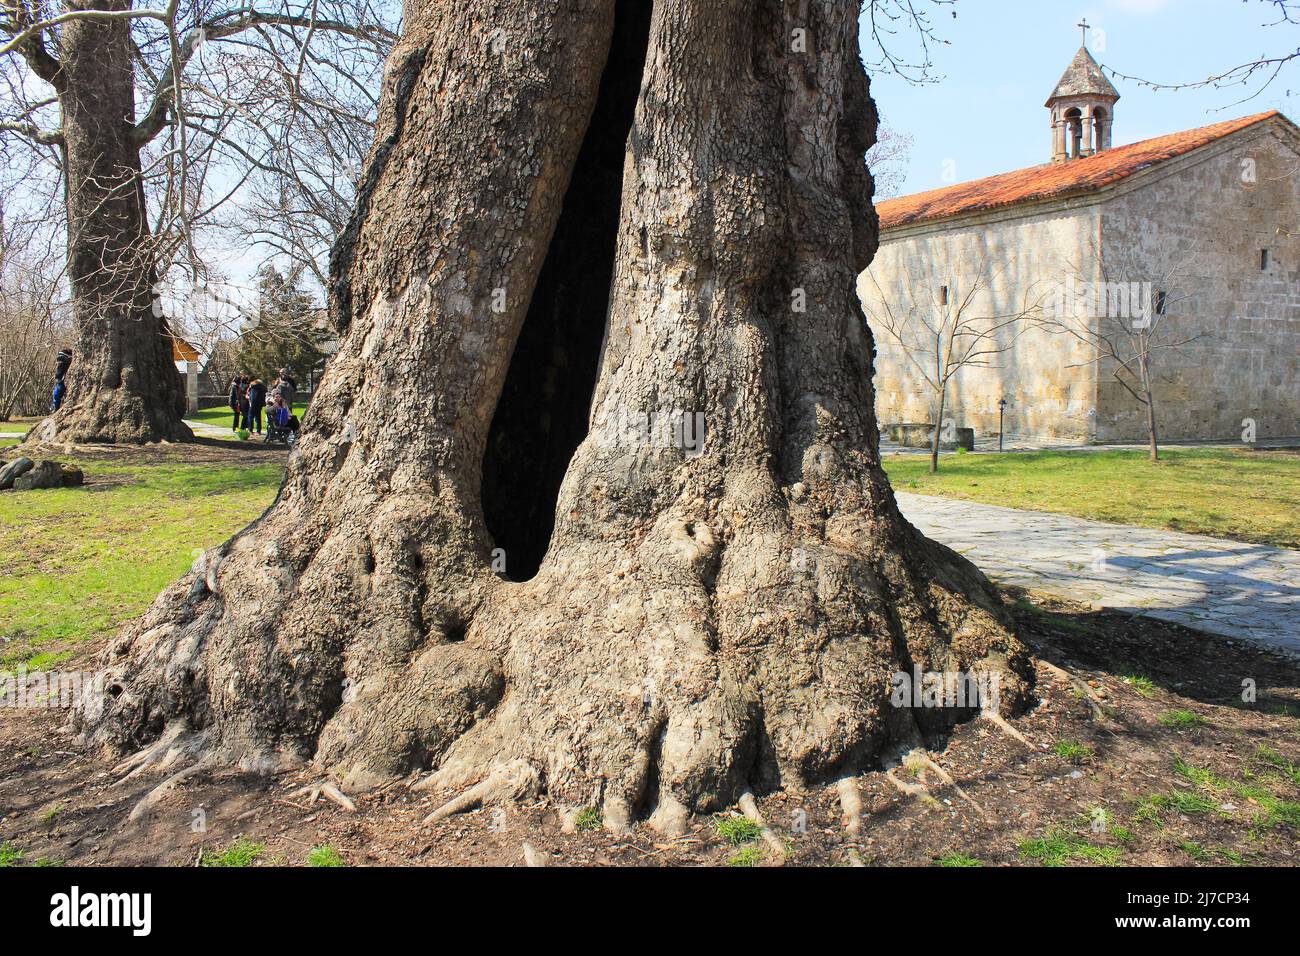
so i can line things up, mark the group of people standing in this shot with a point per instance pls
(250, 397)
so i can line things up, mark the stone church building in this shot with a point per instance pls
(1185, 247)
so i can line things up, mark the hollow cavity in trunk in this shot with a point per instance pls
(543, 412)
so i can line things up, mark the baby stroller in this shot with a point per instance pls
(282, 427)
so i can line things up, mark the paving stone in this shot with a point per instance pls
(1229, 588)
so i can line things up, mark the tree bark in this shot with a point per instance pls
(1151, 426)
(935, 438)
(699, 624)
(123, 385)
(1148, 393)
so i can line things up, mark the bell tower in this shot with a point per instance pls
(1083, 108)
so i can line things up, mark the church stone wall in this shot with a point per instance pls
(1198, 233)
(1194, 228)
(1046, 378)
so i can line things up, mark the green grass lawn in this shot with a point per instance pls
(15, 426)
(221, 415)
(77, 562)
(1230, 493)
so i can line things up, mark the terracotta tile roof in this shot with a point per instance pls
(1055, 180)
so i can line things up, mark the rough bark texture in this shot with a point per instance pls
(123, 385)
(700, 624)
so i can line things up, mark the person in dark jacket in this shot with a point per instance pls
(286, 387)
(236, 398)
(61, 365)
(256, 405)
(244, 421)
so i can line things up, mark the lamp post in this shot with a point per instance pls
(1002, 407)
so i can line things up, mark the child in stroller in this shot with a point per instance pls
(281, 423)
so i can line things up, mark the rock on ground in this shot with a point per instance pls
(10, 472)
(48, 474)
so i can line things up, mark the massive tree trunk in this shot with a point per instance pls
(581, 215)
(123, 385)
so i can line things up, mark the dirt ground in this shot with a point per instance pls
(1009, 801)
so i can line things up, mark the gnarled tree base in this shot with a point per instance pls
(116, 420)
(711, 616)
(728, 646)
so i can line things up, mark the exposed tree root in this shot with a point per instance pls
(618, 816)
(534, 857)
(925, 760)
(906, 787)
(151, 798)
(176, 743)
(851, 805)
(471, 799)
(919, 761)
(314, 792)
(335, 795)
(749, 807)
(505, 785)
(1081, 687)
(670, 819)
(1000, 722)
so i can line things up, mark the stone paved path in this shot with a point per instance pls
(199, 428)
(1238, 590)
(204, 430)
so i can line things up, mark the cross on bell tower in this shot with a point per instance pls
(1083, 107)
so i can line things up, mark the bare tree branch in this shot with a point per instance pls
(940, 333)
(1264, 70)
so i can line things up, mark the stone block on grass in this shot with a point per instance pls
(47, 474)
(14, 470)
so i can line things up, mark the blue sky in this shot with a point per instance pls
(986, 115)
